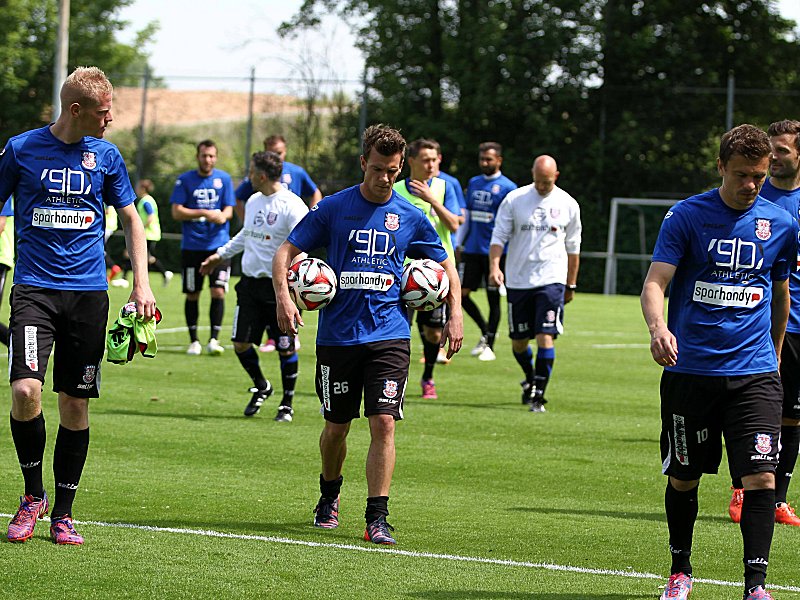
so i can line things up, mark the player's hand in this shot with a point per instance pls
(208, 264)
(421, 190)
(145, 301)
(216, 216)
(496, 278)
(569, 296)
(664, 347)
(454, 334)
(289, 318)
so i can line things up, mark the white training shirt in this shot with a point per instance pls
(268, 220)
(540, 232)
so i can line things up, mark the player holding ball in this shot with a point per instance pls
(363, 338)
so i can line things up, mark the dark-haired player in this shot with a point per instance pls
(270, 214)
(203, 200)
(438, 201)
(363, 336)
(61, 176)
(485, 192)
(727, 254)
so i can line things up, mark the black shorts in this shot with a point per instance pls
(790, 375)
(698, 410)
(436, 318)
(256, 311)
(534, 311)
(75, 321)
(193, 280)
(378, 370)
(473, 270)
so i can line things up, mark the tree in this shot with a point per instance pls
(27, 43)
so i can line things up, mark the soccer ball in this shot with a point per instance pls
(424, 285)
(312, 283)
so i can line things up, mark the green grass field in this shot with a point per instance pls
(183, 497)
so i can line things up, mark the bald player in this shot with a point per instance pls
(541, 223)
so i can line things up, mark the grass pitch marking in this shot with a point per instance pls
(630, 574)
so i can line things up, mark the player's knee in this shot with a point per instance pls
(381, 427)
(240, 347)
(434, 336)
(759, 481)
(74, 412)
(26, 399)
(683, 486)
(519, 346)
(218, 293)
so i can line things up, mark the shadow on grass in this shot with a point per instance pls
(167, 415)
(479, 595)
(614, 514)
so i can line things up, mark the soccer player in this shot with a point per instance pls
(270, 214)
(438, 201)
(541, 223)
(363, 337)
(61, 175)
(783, 188)
(203, 200)
(484, 194)
(727, 254)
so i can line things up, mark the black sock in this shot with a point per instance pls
(493, 294)
(68, 460)
(249, 362)
(215, 314)
(790, 443)
(191, 309)
(474, 312)
(681, 508)
(545, 357)
(525, 360)
(377, 506)
(757, 525)
(29, 440)
(288, 378)
(431, 351)
(330, 489)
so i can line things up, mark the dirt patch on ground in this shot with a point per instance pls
(178, 107)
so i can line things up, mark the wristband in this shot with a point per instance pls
(572, 287)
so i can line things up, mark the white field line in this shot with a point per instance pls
(630, 574)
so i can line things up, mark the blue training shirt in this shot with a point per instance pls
(293, 177)
(484, 195)
(790, 201)
(367, 244)
(192, 190)
(59, 193)
(720, 298)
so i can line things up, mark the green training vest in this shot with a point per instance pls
(438, 188)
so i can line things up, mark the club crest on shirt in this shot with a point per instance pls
(272, 218)
(89, 160)
(392, 222)
(555, 213)
(89, 372)
(217, 183)
(496, 189)
(763, 443)
(390, 388)
(763, 229)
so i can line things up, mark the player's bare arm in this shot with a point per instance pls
(454, 328)
(496, 277)
(780, 314)
(423, 191)
(136, 245)
(663, 345)
(181, 213)
(573, 263)
(220, 217)
(289, 318)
